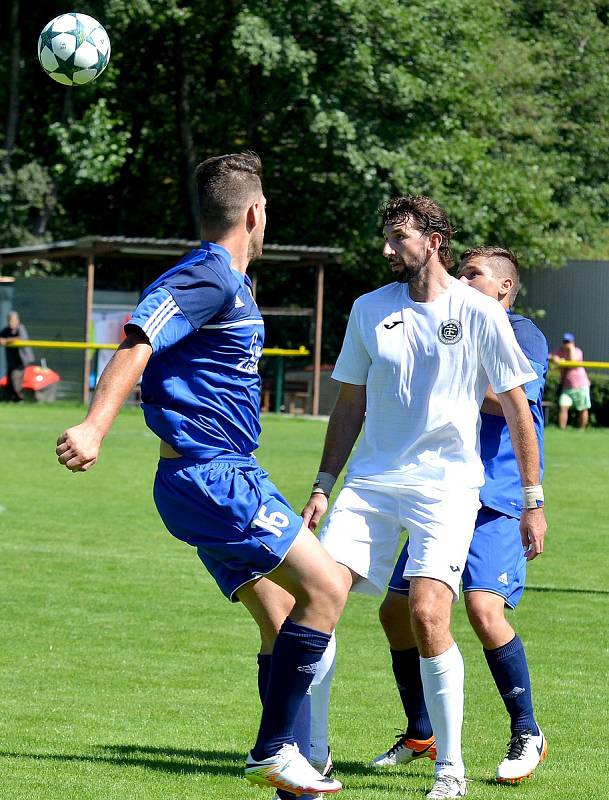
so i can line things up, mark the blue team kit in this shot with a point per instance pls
(201, 395)
(495, 561)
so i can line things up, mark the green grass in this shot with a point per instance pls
(125, 674)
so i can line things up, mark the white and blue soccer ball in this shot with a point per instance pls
(73, 49)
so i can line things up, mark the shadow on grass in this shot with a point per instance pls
(164, 759)
(560, 590)
(359, 769)
(214, 762)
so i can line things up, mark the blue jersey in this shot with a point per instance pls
(502, 490)
(201, 388)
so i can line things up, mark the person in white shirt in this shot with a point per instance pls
(416, 360)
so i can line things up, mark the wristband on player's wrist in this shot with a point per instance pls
(532, 496)
(323, 483)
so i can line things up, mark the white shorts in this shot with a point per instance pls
(364, 526)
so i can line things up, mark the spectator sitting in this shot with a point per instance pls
(17, 358)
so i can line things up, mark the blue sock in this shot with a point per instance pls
(295, 656)
(509, 668)
(302, 724)
(406, 669)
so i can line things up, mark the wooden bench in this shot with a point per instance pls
(296, 396)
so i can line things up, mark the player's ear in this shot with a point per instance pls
(253, 216)
(506, 285)
(435, 242)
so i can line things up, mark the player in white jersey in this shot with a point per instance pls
(417, 357)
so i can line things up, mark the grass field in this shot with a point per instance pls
(125, 674)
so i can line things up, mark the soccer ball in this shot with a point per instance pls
(73, 49)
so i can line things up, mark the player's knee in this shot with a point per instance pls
(334, 594)
(267, 638)
(387, 617)
(336, 590)
(392, 614)
(269, 627)
(323, 599)
(484, 618)
(427, 617)
(481, 622)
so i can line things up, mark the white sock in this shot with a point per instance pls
(442, 678)
(320, 702)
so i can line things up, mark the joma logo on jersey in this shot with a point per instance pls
(272, 522)
(450, 331)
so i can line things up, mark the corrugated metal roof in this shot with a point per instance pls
(116, 246)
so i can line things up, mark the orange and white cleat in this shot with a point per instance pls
(406, 750)
(524, 753)
(290, 771)
(325, 768)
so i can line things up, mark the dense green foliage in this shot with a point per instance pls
(127, 676)
(599, 396)
(497, 108)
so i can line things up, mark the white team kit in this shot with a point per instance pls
(426, 367)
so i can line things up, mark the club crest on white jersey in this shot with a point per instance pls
(450, 331)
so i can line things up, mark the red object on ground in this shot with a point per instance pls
(35, 378)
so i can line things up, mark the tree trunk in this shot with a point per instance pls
(188, 148)
(12, 120)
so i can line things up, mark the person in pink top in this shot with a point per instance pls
(575, 384)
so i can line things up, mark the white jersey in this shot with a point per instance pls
(426, 367)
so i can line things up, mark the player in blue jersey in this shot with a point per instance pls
(494, 575)
(197, 336)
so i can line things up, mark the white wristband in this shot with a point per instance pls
(324, 483)
(532, 496)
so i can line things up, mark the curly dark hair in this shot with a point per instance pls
(502, 261)
(226, 185)
(426, 216)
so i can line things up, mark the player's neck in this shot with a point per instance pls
(431, 283)
(237, 246)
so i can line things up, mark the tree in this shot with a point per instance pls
(496, 108)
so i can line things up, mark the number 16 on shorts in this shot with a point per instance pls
(275, 521)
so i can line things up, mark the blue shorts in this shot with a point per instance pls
(230, 511)
(495, 561)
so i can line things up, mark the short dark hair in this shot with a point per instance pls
(226, 185)
(502, 261)
(426, 216)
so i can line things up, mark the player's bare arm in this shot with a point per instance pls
(78, 447)
(524, 441)
(344, 427)
(491, 404)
